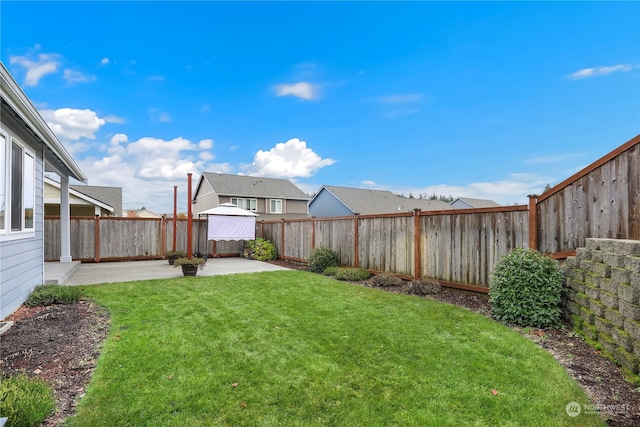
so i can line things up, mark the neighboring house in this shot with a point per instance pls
(270, 198)
(140, 213)
(111, 196)
(469, 203)
(80, 204)
(28, 150)
(332, 201)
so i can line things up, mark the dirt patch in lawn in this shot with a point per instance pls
(61, 344)
(58, 343)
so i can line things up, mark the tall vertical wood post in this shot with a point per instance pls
(163, 234)
(175, 214)
(97, 238)
(533, 221)
(356, 249)
(282, 237)
(189, 219)
(416, 244)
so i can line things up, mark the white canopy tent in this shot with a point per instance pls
(229, 222)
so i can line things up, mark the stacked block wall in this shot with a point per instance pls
(602, 296)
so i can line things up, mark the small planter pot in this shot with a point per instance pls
(172, 259)
(189, 269)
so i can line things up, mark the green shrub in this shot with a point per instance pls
(26, 402)
(347, 273)
(260, 249)
(53, 294)
(175, 254)
(330, 271)
(386, 279)
(424, 286)
(321, 258)
(189, 261)
(526, 288)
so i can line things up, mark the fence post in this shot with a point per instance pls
(533, 221)
(282, 236)
(356, 238)
(313, 233)
(416, 243)
(97, 238)
(163, 235)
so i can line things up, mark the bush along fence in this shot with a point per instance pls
(602, 297)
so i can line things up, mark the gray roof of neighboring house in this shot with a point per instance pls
(364, 201)
(478, 203)
(109, 195)
(252, 186)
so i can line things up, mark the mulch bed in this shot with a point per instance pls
(58, 343)
(61, 344)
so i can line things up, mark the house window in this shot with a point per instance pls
(276, 206)
(238, 202)
(248, 204)
(18, 200)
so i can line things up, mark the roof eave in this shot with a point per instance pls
(20, 103)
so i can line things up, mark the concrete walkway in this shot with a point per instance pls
(75, 273)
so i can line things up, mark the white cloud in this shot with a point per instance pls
(301, 90)
(73, 76)
(37, 68)
(105, 61)
(598, 71)
(287, 160)
(560, 158)
(513, 190)
(148, 168)
(114, 119)
(206, 144)
(156, 115)
(71, 124)
(368, 183)
(409, 98)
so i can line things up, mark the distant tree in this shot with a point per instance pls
(132, 213)
(546, 188)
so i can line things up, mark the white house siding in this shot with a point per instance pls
(22, 259)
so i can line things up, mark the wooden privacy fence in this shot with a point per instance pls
(460, 248)
(457, 247)
(95, 239)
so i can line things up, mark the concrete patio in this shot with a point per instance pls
(76, 273)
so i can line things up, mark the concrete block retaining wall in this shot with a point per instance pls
(602, 296)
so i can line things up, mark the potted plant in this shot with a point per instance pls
(189, 265)
(174, 255)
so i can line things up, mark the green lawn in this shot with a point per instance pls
(294, 348)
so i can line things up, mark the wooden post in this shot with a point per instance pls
(189, 219)
(97, 238)
(533, 221)
(356, 249)
(163, 235)
(281, 254)
(313, 233)
(175, 214)
(416, 244)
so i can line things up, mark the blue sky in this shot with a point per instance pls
(475, 99)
